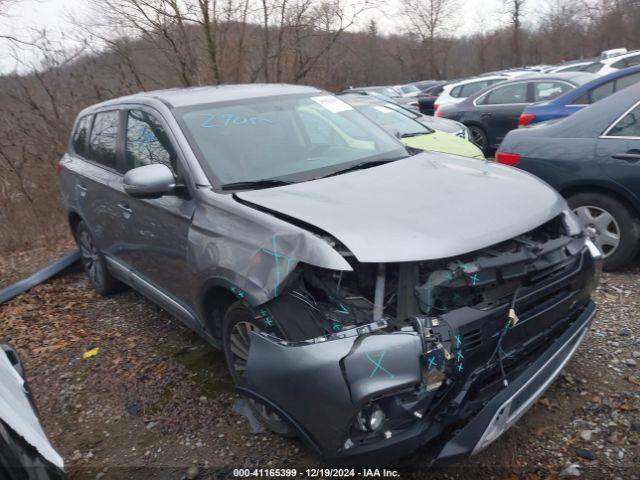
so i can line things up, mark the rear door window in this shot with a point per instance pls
(104, 138)
(80, 135)
(628, 126)
(595, 67)
(147, 142)
(627, 81)
(603, 91)
(544, 91)
(508, 94)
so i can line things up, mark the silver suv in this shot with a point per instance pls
(368, 297)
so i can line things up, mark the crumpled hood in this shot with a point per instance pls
(428, 206)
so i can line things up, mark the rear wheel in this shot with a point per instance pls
(94, 263)
(610, 224)
(479, 138)
(239, 323)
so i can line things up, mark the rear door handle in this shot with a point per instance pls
(485, 115)
(629, 157)
(126, 210)
(82, 190)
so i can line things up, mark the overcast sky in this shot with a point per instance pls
(54, 15)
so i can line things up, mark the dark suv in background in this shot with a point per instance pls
(362, 302)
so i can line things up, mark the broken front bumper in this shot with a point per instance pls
(320, 386)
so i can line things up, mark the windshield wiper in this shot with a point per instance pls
(414, 134)
(255, 184)
(362, 166)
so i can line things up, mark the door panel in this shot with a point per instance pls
(619, 152)
(500, 109)
(156, 236)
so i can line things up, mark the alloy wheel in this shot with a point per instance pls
(477, 137)
(601, 226)
(90, 258)
(240, 342)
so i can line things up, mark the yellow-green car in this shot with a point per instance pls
(412, 133)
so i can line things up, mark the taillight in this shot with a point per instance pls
(506, 158)
(526, 119)
(59, 167)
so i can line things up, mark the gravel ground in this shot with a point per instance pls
(157, 402)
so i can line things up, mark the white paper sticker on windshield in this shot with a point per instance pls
(332, 104)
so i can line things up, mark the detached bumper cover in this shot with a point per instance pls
(508, 406)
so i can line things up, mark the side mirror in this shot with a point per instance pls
(149, 181)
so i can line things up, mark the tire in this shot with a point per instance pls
(238, 321)
(611, 224)
(479, 139)
(94, 263)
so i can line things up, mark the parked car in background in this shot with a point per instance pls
(574, 100)
(494, 111)
(592, 158)
(574, 66)
(425, 84)
(408, 90)
(386, 94)
(453, 93)
(612, 64)
(25, 451)
(412, 132)
(435, 123)
(427, 98)
(342, 273)
(614, 52)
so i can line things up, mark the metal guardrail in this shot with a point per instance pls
(39, 277)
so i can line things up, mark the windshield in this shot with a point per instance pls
(393, 120)
(386, 91)
(291, 138)
(409, 89)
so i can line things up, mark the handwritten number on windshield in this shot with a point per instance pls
(227, 119)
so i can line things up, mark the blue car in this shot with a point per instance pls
(578, 98)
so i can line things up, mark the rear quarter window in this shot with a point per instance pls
(80, 136)
(628, 126)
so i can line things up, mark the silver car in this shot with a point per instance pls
(369, 298)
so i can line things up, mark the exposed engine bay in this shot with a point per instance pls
(390, 349)
(318, 302)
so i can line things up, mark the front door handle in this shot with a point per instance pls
(82, 190)
(629, 156)
(485, 115)
(126, 210)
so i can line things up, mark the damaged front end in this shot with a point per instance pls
(368, 365)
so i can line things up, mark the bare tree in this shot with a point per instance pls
(515, 9)
(431, 20)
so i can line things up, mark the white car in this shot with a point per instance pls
(25, 451)
(569, 67)
(457, 92)
(608, 65)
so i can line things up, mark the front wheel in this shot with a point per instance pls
(610, 224)
(479, 139)
(239, 322)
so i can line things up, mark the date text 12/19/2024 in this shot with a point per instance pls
(314, 473)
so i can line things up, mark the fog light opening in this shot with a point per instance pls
(370, 419)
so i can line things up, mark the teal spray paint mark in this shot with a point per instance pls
(378, 365)
(432, 363)
(237, 292)
(475, 278)
(336, 327)
(458, 341)
(277, 257)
